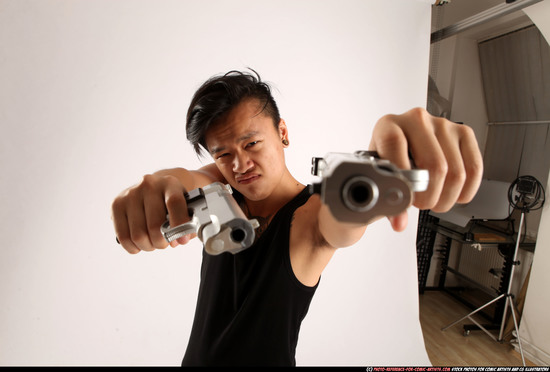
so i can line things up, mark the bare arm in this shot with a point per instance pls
(338, 234)
(192, 179)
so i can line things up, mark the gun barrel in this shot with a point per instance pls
(358, 187)
(359, 193)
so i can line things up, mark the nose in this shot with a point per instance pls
(242, 162)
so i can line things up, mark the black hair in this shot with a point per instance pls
(219, 95)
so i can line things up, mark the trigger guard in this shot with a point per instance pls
(176, 232)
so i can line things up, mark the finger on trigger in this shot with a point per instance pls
(186, 239)
(176, 205)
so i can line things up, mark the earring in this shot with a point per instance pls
(285, 142)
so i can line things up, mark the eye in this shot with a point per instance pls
(250, 144)
(222, 155)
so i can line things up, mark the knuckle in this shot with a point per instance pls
(172, 180)
(118, 204)
(141, 238)
(390, 140)
(443, 127)
(386, 119)
(466, 131)
(456, 175)
(419, 115)
(132, 194)
(175, 201)
(168, 182)
(474, 169)
(393, 138)
(438, 168)
(148, 182)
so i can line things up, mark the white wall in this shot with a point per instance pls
(535, 323)
(93, 95)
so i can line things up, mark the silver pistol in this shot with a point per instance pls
(217, 220)
(360, 186)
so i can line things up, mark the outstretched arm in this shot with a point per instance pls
(449, 151)
(139, 211)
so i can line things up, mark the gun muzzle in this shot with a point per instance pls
(217, 220)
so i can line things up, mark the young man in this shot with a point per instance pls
(250, 305)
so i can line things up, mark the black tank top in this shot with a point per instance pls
(250, 305)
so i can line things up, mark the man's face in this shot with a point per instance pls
(248, 150)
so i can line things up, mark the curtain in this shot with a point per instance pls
(516, 79)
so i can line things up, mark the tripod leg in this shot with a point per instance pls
(473, 312)
(514, 310)
(483, 329)
(503, 322)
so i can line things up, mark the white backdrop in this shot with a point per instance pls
(93, 95)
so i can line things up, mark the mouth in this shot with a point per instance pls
(247, 178)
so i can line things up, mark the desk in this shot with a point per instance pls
(492, 262)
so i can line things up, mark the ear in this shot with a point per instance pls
(283, 130)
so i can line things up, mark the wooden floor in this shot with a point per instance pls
(451, 347)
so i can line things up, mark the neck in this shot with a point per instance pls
(281, 195)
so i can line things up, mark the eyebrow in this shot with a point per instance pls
(244, 137)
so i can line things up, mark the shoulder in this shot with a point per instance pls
(208, 174)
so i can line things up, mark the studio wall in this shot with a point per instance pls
(93, 95)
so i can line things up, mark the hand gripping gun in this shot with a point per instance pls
(360, 186)
(217, 220)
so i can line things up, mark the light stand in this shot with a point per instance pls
(531, 197)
